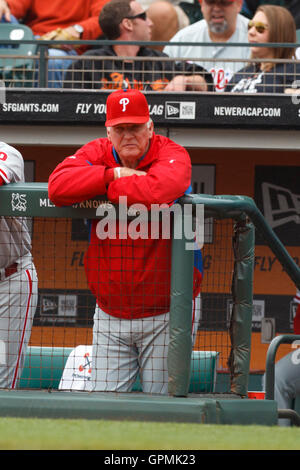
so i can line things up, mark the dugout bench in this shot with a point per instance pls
(44, 367)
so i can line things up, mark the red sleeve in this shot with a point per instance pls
(47, 15)
(19, 8)
(80, 176)
(91, 26)
(167, 178)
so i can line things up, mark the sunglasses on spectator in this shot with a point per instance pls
(260, 27)
(142, 16)
(222, 3)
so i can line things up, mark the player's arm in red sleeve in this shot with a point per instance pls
(79, 177)
(167, 179)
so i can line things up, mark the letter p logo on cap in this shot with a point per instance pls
(126, 107)
(124, 102)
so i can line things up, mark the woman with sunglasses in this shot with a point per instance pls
(266, 73)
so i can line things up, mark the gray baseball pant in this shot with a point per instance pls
(123, 348)
(18, 301)
(287, 383)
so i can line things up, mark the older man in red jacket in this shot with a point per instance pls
(130, 278)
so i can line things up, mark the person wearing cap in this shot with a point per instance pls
(221, 23)
(129, 276)
(114, 66)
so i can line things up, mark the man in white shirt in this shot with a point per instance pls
(222, 23)
(169, 16)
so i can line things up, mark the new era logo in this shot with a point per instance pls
(180, 110)
(172, 109)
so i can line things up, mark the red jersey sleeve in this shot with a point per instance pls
(80, 176)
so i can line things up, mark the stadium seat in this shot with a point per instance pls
(298, 36)
(44, 366)
(17, 71)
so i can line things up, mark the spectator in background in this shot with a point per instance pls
(57, 20)
(168, 17)
(125, 20)
(274, 24)
(250, 7)
(222, 23)
(287, 373)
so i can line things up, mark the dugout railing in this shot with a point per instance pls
(24, 63)
(31, 200)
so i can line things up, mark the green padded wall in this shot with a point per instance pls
(44, 366)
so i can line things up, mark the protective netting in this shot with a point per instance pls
(60, 352)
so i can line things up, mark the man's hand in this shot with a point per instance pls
(187, 82)
(4, 10)
(123, 171)
(59, 34)
(178, 83)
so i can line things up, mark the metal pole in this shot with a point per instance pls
(43, 66)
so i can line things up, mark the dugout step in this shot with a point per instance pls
(137, 407)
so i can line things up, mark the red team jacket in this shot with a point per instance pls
(129, 278)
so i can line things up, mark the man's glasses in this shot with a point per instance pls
(260, 27)
(222, 3)
(142, 16)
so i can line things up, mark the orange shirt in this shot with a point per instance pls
(44, 16)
